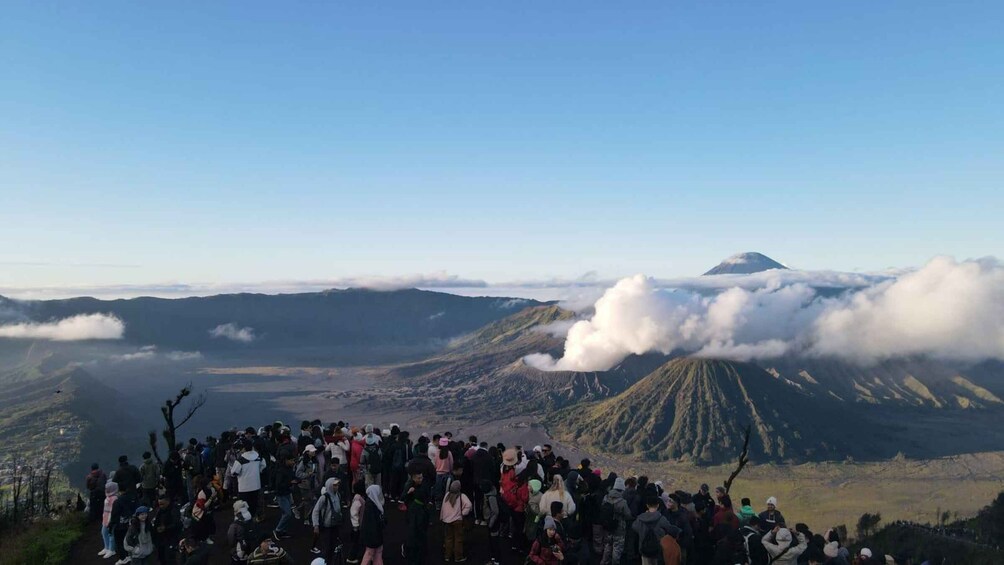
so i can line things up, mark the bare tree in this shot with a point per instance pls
(168, 411)
(742, 461)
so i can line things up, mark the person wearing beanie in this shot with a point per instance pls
(785, 548)
(455, 506)
(373, 524)
(614, 516)
(138, 539)
(771, 517)
(533, 513)
(548, 548)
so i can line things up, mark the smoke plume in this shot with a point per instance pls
(946, 309)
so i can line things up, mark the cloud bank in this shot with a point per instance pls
(946, 309)
(150, 353)
(233, 332)
(74, 328)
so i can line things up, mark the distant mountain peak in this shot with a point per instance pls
(745, 264)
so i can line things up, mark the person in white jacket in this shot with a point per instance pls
(356, 520)
(557, 493)
(248, 469)
(784, 550)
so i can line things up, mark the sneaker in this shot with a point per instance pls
(123, 561)
(109, 555)
(402, 551)
(104, 553)
(209, 541)
(351, 560)
(306, 522)
(275, 536)
(296, 513)
(315, 551)
(460, 560)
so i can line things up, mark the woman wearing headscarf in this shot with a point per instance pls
(373, 523)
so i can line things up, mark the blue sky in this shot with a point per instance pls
(254, 141)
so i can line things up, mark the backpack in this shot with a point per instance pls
(186, 515)
(397, 461)
(650, 546)
(755, 552)
(374, 463)
(337, 512)
(608, 517)
(248, 538)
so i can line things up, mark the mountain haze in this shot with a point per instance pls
(745, 264)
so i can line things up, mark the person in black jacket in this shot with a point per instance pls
(418, 499)
(282, 482)
(173, 482)
(371, 531)
(483, 468)
(751, 541)
(421, 464)
(166, 524)
(122, 511)
(127, 476)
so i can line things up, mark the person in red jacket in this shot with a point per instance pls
(356, 454)
(725, 520)
(515, 494)
(548, 549)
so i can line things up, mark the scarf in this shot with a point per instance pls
(375, 494)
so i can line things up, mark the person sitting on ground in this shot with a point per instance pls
(138, 540)
(193, 552)
(268, 553)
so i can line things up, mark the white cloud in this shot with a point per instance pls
(233, 332)
(74, 328)
(149, 353)
(946, 309)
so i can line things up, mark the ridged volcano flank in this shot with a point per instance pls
(697, 409)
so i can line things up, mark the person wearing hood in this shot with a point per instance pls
(166, 525)
(373, 523)
(456, 505)
(307, 481)
(533, 513)
(548, 548)
(242, 535)
(248, 468)
(680, 517)
(785, 549)
(557, 493)
(95, 483)
(836, 553)
(651, 527)
(771, 517)
(138, 539)
(615, 514)
(110, 495)
(327, 519)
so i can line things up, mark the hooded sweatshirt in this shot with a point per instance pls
(779, 552)
(327, 511)
(745, 513)
(371, 532)
(656, 521)
(458, 509)
(620, 507)
(111, 495)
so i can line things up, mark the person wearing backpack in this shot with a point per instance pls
(150, 474)
(651, 526)
(307, 481)
(614, 515)
(755, 551)
(242, 535)
(784, 550)
(95, 483)
(327, 519)
(371, 462)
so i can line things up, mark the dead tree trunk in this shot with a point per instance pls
(743, 460)
(167, 410)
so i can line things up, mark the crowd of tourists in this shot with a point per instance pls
(341, 482)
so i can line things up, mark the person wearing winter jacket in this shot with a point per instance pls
(165, 521)
(514, 494)
(268, 553)
(725, 520)
(193, 552)
(783, 550)
(283, 480)
(356, 510)
(373, 523)
(745, 512)
(150, 479)
(138, 539)
(248, 468)
(111, 494)
(615, 504)
(356, 447)
(755, 551)
(242, 533)
(95, 482)
(548, 548)
(492, 515)
(533, 513)
(771, 517)
(327, 519)
(482, 469)
(443, 462)
(653, 523)
(122, 512)
(557, 493)
(127, 475)
(307, 480)
(455, 507)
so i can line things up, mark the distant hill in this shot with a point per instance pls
(318, 319)
(745, 264)
(697, 410)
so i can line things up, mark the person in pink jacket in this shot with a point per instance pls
(107, 532)
(456, 506)
(444, 467)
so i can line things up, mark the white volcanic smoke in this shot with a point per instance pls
(74, 328)
(946, 309)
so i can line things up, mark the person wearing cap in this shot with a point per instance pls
(443, 460)
(308, 481)
(138, 540)
(548, 548)
(515, 493)
(327, 519)
(241, 535)
(771, 516)
(786, 547)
